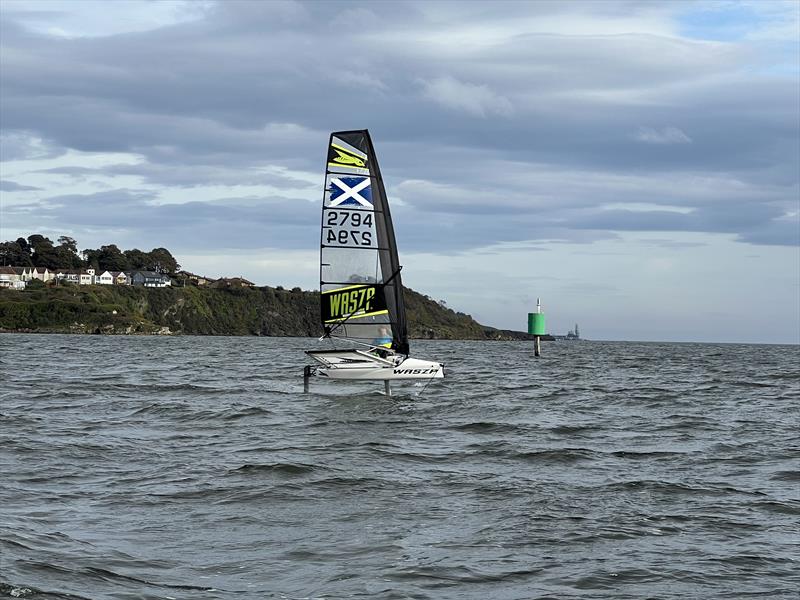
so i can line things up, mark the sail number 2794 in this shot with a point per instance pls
(348, 228)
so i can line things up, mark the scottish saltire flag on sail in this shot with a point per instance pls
(351, 191)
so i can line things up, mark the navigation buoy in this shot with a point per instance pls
(536, 327)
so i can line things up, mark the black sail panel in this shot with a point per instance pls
(360, 284)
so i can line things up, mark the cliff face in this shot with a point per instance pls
(204, 311)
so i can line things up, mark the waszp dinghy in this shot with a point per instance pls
(361, 290)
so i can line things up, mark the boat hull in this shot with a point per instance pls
(360, 365)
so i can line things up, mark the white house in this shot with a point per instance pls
(86, 277)
(42, 273)
(104, 278)
(24, 273)
(11, 277)
(77, 276)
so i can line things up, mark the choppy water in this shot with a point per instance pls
(144, 467)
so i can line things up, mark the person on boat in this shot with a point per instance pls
(383, 342)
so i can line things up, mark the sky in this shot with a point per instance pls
(636, 165)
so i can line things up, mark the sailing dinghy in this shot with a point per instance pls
(361, 291)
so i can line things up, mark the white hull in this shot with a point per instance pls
(361, 365)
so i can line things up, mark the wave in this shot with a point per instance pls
(786, 476)
(463, 574)
(157, 388)
(789, 507)
(111, 575)
(632, 454)
(29, 591)
(486, 427)
(570, 429)
(563, 456)
(276, 468)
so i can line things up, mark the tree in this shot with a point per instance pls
(136, 259)
(38, 250)
(63, 256)
(111, 258)
(43, 252)
(69, 243)
(162, 261)
(38, 243)
(13, 255)
(23, 243)
(91, 258)
(66, 254)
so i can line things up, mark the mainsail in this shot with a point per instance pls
(360, 286)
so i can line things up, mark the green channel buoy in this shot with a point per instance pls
(537, 327)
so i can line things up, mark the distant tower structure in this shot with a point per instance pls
(573, 334)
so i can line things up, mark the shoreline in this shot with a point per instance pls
(169, 333)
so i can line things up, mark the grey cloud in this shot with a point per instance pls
(12, 186)
(777, 232)
(752, 223)
(257, 222)
(666, 243)
(474, 99)
(191, 175)
(234, 223)
(19, 144)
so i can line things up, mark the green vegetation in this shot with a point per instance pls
(268, 311)
(194, 310)
(39, 251)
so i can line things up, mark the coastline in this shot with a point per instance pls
(175, 311)
(79, 329)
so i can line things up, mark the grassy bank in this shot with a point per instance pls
(205, 311)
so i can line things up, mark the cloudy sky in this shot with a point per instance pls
(635, 164)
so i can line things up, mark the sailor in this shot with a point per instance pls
(384, 340)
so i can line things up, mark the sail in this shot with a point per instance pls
(361, 290)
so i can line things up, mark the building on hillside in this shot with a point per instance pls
(71, 275)
(87, 276)
(120, 278)
(24, 273)
(78, 276)
(104, 278)
(11, 277)
(198, 280)
(232, 282)
(150, 279)
(43, 274)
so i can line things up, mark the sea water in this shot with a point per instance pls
(195, 467)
